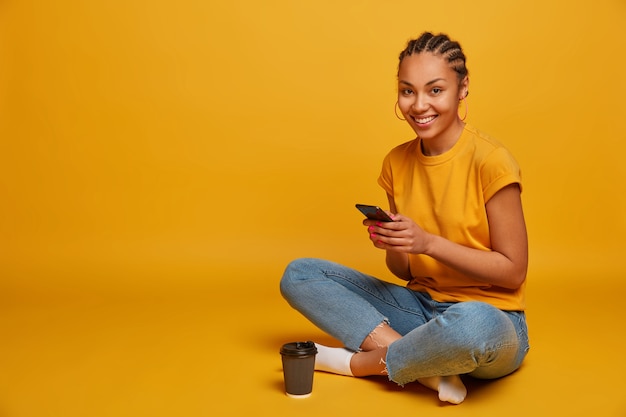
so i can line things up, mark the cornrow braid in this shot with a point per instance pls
(439, 44)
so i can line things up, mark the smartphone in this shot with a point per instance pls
(374, 213)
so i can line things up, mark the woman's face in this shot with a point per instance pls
(428, 96)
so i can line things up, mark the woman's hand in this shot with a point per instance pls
(402, 235)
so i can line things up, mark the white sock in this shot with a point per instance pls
(450, 388)
(335, 360)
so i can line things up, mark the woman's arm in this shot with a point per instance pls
(504, 266)
(397, 262)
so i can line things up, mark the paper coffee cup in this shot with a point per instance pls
(298, 367)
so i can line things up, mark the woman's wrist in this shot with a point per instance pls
(430, 244)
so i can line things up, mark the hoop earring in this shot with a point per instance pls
(465, 105)
(395, 110)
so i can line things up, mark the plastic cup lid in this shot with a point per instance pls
(299, 348)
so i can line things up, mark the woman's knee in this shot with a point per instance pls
(292, 274)
(488, 335)
(296, 274)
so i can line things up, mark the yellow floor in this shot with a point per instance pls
(213, 351)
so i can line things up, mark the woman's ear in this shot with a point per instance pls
(464, 88)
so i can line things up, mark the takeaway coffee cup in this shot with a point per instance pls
(298, 365)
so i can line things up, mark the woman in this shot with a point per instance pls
(458, 238)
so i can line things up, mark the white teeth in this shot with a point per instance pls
(424, 120)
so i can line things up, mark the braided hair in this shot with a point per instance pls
(441, 45)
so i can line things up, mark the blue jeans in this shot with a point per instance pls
(438, 339)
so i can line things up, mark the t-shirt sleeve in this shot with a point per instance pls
(385, 180)
(499, 170)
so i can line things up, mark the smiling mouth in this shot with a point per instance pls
(423, 120)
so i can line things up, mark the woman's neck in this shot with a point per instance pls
(444, 142)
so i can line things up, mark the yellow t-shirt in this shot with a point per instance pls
(446, 195)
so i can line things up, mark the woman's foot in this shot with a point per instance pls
(450, 388)
(334, 360)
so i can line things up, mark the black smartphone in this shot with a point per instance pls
(374, 213)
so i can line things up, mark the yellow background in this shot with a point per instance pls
(165, 160)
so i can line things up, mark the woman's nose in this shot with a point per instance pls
(420, 104)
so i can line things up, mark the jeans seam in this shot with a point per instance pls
(366, 289)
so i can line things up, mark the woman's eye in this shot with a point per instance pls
(436, 90)
(407, 91)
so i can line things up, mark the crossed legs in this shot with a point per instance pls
(427, 338)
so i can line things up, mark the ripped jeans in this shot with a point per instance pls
(438, 339)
